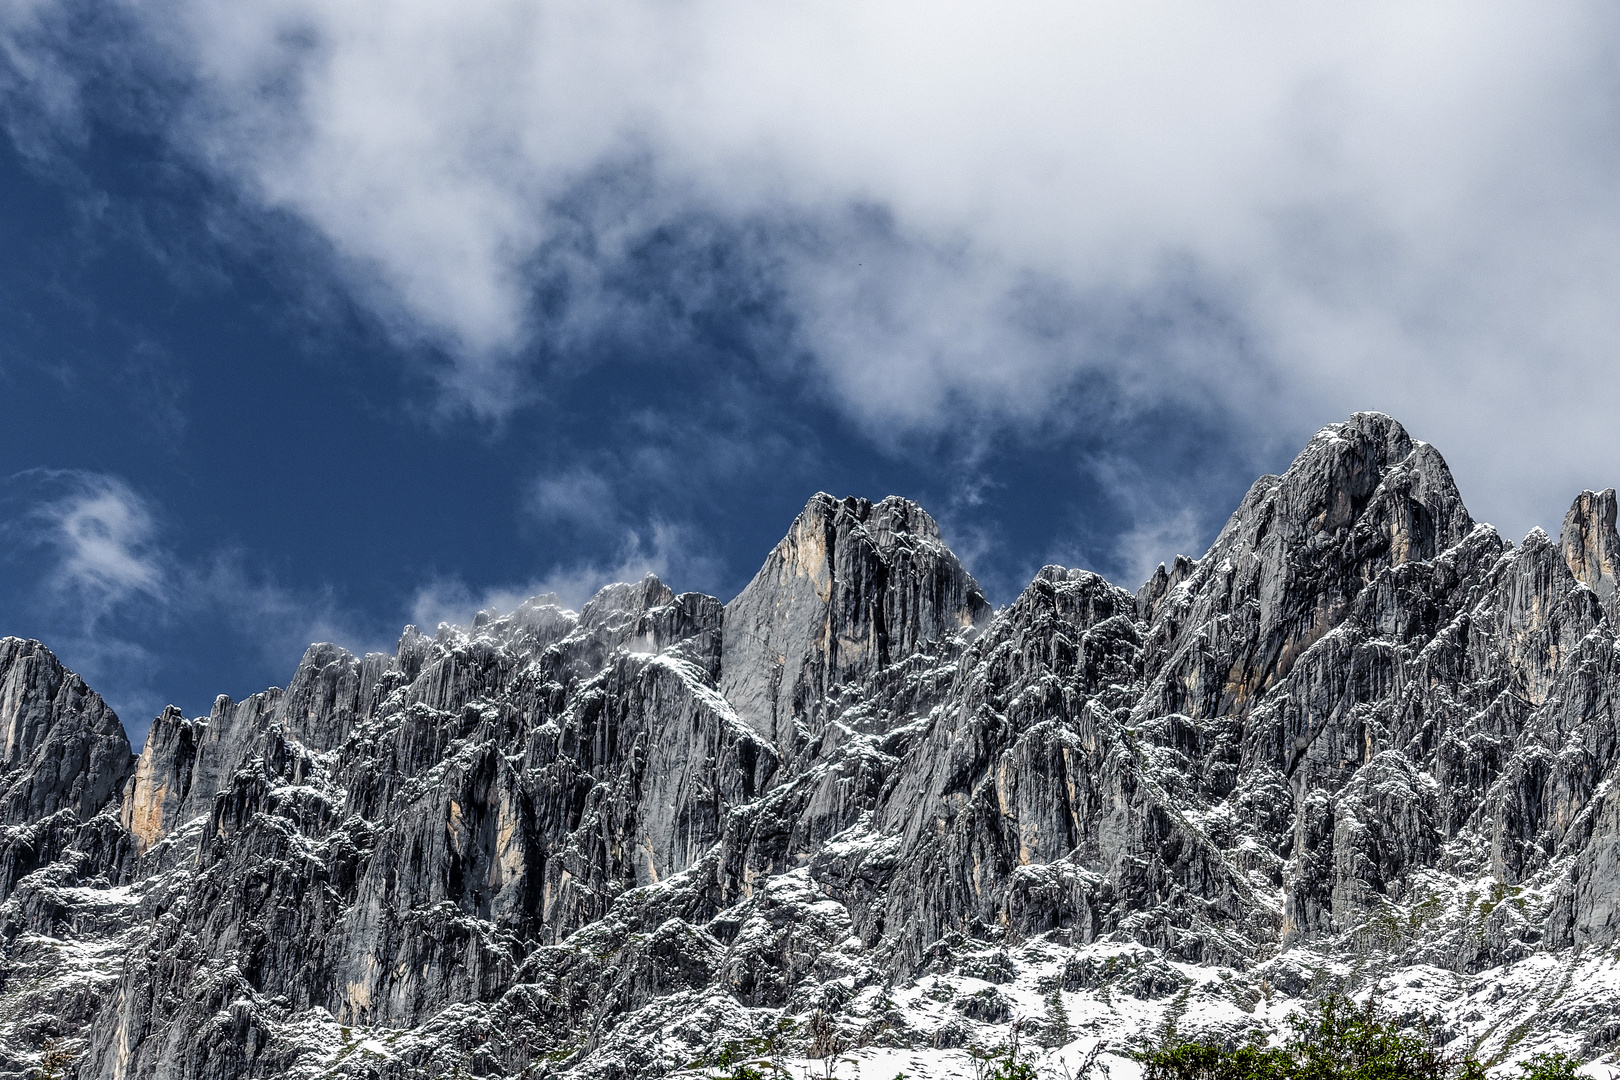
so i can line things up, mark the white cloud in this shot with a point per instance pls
(1286, 211)
(102, 532)
(671, 552)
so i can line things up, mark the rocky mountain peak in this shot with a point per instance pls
(1361, 744)
(1365, 476)
(1362, 497)
(896, 521)
(851, 589)
(62, 748)
(331, 691)
(625, 602)
(1590, 544)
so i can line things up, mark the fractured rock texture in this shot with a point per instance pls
(1362, 736)
(852, 588)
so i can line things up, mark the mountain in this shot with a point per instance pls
(1363, 743)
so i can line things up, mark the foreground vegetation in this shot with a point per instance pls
(1334, 1040)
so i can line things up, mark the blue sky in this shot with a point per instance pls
(316, 320)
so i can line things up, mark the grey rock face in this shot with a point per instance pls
(1018, 802)
(1362, 497)
(66, 758)
(1589, 541)
(1361, 741)
(62, 748)
(851, 589)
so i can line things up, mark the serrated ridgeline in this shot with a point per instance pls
(1363, 742)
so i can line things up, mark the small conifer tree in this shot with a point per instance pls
(1055, 1032)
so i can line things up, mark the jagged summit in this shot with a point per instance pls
(1362, 742)
(63, 749)
(1590, 544)
(853, 588)
(1287, 568)
(1367, 465)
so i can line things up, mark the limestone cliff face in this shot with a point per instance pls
(1590, 544)
(162, 780)
(61, 748)
(853, 588)
(1361, 741)
(526, 772)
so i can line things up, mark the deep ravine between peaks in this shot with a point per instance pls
(1362, 743)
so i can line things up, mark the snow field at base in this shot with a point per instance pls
(1486, 1016)
(928, 1064)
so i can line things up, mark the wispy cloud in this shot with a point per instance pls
(1160, 521)
(103, 536)
(675, 554)
(580, 498)
(1158, 538)
(84, 558)
(281, 622)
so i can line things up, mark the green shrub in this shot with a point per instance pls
(1549, 1067)
(1206, 1061)
(1335, 1040)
